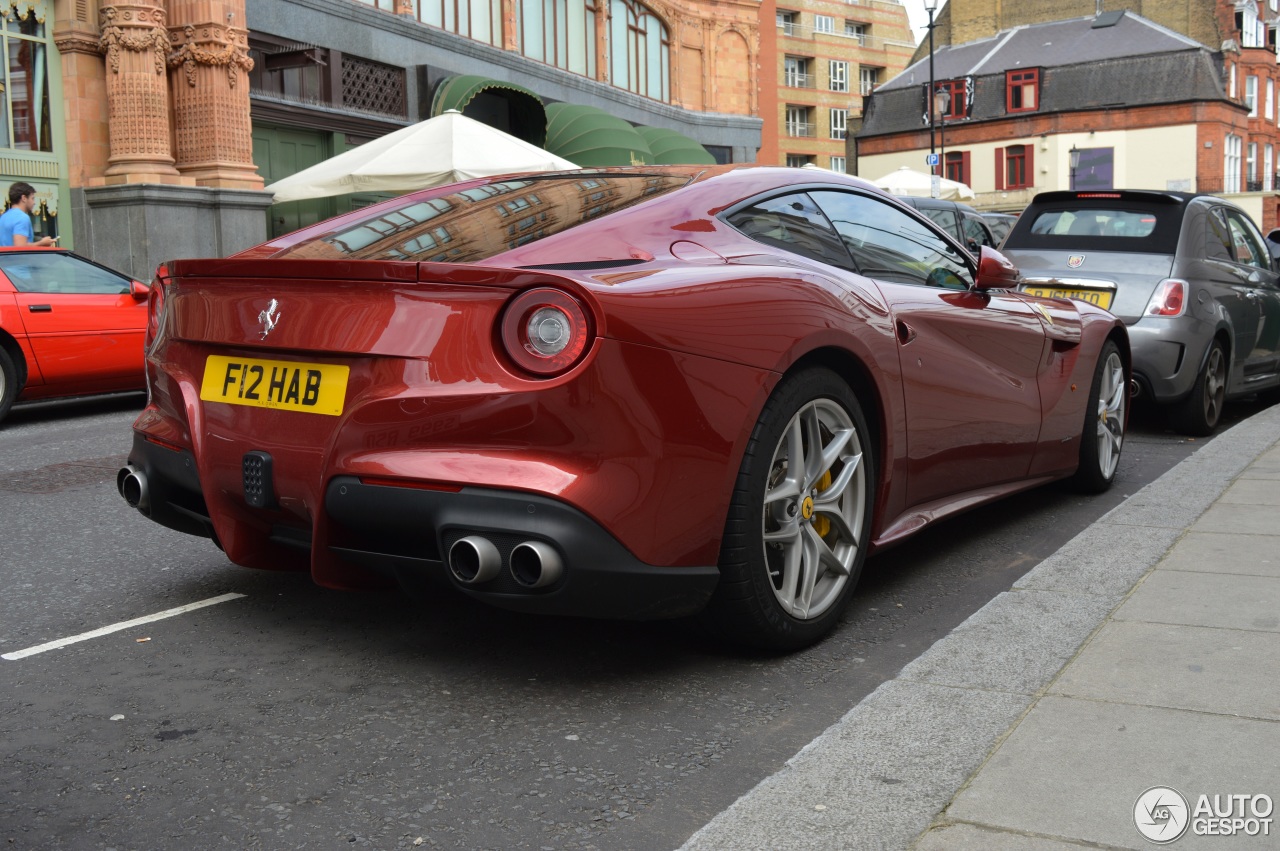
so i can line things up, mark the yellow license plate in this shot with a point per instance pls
(316, 388)
(1102, 298)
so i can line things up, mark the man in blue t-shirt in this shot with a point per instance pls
(15, 224)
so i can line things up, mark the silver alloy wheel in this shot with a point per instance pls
(1111, 402)
(1215, 385)
(814, 506)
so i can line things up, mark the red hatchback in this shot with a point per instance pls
(634, 393)
(68, 327)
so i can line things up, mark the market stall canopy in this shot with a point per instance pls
(908, 181)
(509, 107)
(444, 149)
(592, 137)
(671, 148)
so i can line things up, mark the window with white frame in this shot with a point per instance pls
(1253, 32)
(795, 72)
(798, 160)
(824, 24)
(1231, 163)
(1252, 184)
(1269, 106)
(1268, 172)
(859, 31)
(839, 123)
(798, 123)
(838, 164)
(868, 79)
(1231, 91)
(838, 75)
(1251, 95)
(787, 22)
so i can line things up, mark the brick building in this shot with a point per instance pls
(826, 57)
(151, 126)
(1164, 95)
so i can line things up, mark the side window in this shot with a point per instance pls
(889, 245)
(1248, 242)
(58, 273)
(792, 223)
(1217, 240)
(945, 219)
(975, 230)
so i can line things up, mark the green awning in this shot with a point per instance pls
(671, 148)
(525, 117)
(592, 137)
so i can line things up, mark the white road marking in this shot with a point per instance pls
(116, 627)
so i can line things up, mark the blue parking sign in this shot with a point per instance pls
(931, 159)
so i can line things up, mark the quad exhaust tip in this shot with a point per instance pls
(535, 564)
(474, 559)
(132, 484)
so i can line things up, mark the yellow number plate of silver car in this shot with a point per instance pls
(1102, 298)
(316, 388)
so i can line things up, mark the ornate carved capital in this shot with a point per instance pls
(136, 28)
(214, 45)
(78, 42)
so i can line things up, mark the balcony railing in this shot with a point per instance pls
(801, 128)
(871, 42)
(797, 80)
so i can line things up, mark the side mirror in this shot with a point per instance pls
(995, 272)
(139, 290)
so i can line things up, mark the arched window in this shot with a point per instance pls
(640, 50)
(561, 33)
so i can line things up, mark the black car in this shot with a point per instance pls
(960, 220)
(1189, 274)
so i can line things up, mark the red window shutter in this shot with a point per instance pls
(999, 169)
(965, 174)
(1031, 165)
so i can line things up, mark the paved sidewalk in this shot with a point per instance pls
(1144, 653)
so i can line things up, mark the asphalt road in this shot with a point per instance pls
(295, 717)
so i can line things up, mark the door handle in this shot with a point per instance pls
(40, 308)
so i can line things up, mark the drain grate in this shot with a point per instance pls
(64, 476)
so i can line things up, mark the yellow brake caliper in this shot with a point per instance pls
(821, 524)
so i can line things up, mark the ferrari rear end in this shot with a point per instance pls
(378, 420)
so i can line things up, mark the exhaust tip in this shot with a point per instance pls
(1135, 389)
(473, 560)
(535, 564)
(132, 484)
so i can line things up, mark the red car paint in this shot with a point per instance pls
(972, 394)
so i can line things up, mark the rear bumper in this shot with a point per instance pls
(406, 533)
(1167, 356)
(409, 531)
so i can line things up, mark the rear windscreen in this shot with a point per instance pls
(483, 221)
(1100, 227)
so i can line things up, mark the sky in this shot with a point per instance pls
(918, 17)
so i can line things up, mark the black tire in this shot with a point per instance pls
(1104, 423)
(1199, 413)
(9, 388)
(758, 601)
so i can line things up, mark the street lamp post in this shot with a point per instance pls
(1074, 155)
(931, 6)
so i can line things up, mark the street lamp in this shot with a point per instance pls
(1074, 155)
(931, 6)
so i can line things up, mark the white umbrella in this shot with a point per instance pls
(907, 181)
(445, 149)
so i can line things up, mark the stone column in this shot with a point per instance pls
(210, 64)
(136, 44)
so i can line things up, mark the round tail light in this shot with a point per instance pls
(545, 331)
(1169, 299)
